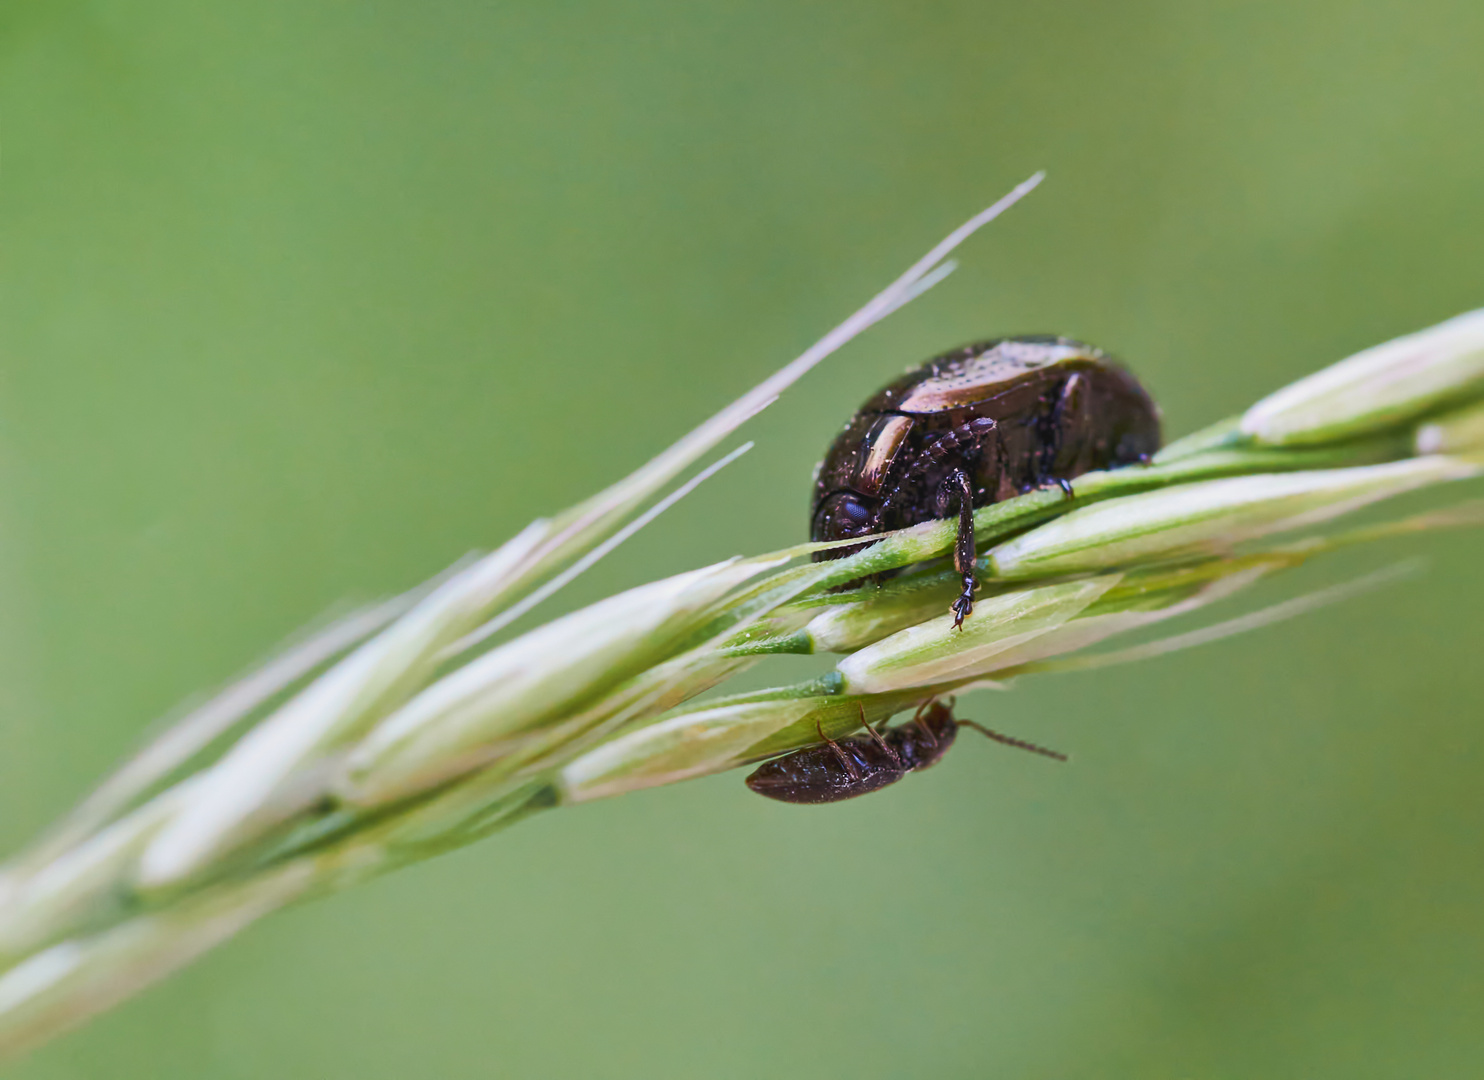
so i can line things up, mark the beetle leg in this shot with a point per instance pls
(876, 736)
(920, 724)
(845, 762)
(931, 738)
(974, 437)
(957, 483)
(1069, 421)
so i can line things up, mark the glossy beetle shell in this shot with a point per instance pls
(1061, 408)
(859, 764)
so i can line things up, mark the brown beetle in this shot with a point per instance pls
(976, 425)
(859, 764)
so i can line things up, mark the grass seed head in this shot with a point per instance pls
(1378, 388)
(1211, 515)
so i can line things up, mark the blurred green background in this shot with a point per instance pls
(301, 301)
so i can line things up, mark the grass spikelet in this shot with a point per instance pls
(400, 739)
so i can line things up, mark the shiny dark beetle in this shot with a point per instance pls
(845, 768)
(974, 426)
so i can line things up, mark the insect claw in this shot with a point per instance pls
(963, 607)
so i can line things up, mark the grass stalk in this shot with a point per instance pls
(404, 733)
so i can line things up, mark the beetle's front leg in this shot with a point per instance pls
(957, 485)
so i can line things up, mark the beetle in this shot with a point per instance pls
(973, 426)
(859, 764)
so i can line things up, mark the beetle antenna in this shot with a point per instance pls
(1019, 744)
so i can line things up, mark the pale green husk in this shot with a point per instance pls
(399, 739)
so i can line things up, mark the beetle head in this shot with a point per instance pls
(845, 515)
(926, 737)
